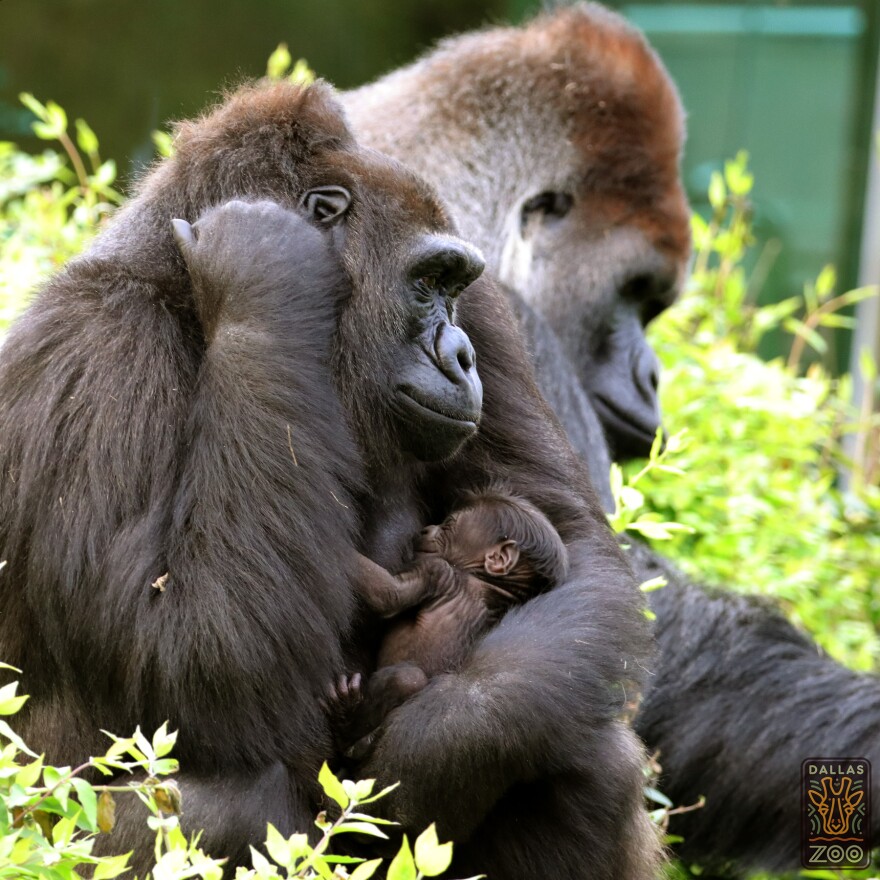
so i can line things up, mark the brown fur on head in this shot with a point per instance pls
(577, 97)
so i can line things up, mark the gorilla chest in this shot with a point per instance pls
(391, 518)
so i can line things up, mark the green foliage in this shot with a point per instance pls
(279, 67)
(50, 818)
(759, 489)
(50, 205)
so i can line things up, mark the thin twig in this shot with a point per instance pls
(75, 157)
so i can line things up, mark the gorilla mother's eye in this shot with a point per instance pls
(547, 204)
(326, 204)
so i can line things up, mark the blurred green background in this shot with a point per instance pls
(792, 81)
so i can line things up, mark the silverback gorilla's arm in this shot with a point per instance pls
(738, 699)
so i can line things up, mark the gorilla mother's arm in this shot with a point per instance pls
(543, 689)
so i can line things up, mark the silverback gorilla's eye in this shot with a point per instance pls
(548, 204)
(429, 282)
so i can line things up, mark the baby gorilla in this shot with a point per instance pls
(496, 551)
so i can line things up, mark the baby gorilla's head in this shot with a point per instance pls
(498, 535)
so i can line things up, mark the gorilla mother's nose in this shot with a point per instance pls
(454, 354)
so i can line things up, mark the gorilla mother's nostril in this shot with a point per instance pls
(465, 359)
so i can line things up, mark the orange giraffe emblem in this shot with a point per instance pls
(836, 805)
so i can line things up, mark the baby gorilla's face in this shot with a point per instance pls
(469, 539)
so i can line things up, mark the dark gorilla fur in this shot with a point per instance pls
(575, 104)
(138, 441)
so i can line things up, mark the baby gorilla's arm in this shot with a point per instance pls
(388, 594)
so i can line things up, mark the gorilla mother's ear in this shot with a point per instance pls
(326, 204)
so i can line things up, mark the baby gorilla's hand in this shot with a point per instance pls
(343, 704)
(357, 711)
(247, 259)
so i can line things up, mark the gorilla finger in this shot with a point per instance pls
(184, 235)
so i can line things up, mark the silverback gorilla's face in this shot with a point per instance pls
(415, 365)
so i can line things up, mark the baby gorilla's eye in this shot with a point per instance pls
(429, 281)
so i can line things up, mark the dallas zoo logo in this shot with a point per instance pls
(836, 813)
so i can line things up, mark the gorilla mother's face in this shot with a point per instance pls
(407, 370)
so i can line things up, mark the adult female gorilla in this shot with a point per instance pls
(234, 420)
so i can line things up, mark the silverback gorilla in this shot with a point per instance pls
(293, 386)
(556, 146)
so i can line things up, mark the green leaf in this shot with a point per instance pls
(658, 531)
(631, 498)
(106, 174)
(432, 857)
(56, 117)
(810, 336)
(9, 703)
(163, 741)
(717, 191)
(858, 294)
(30, 773)
(302, 74)
(375, 820)
(277, 846)
(62, 793)
(381, 794)
(63, 830)
(654, 583)
(111, 866)
(164, 143)
(652, 794)
(657, 445)
(33, 105)
(279, 62)
(86, 139)
(366, 870)
(332, 786)
(261, 863)
(844, 322)
(88, 801)
(826, 281)
(403, 866)
(360, 828)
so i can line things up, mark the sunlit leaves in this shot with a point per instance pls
(279, 67)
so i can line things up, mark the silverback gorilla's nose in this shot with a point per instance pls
(455, 354)
(646, 372)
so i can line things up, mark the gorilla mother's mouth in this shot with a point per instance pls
(414, 404)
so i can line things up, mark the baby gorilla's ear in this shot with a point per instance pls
(501, 558)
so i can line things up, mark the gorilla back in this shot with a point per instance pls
(296, 385)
